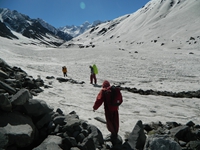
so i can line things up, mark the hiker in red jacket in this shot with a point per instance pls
(111, 111)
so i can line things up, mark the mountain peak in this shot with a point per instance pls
(165, 21)
(78, 30)
(32, 28)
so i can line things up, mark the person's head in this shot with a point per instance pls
(105, 84)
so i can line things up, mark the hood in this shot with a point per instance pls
(106, 84)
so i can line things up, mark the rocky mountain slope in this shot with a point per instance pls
(38, 29)
(35, 29)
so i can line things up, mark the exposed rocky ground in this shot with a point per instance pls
(29, 123)
(183, 94)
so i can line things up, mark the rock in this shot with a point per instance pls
(170, 125)
(137, 137)
(161, 142)
(59, 120)
(182, 133)
(7, 87)
(87, 144)
(3, 75)
(69, 142)
(5, 103)
(100, 120)
(32, 105)
(72, 120)
(59, 111)
(190, 124)
(97, 136)
(62, 79)
(45, 120)
(52, 142)
(21, 97)
(19, 128)
(194, 145)
(3, 138)
(50, 77)
(116, 141)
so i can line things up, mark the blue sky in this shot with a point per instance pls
(60, 13)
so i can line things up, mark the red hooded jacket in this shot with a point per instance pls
(106, 98)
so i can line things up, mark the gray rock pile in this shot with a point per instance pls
(13, 79)
(27, 123)
(183, 94)
(67, 79)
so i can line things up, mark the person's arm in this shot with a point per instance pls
(99, 100)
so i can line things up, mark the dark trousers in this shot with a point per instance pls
(93, 77)
(112, 121)
(65, 74)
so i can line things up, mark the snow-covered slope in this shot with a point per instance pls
(164, 22)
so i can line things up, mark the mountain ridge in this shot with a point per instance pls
(156, 18)
(155, 21)
(75, 31)
(35, 29)
(21, 23)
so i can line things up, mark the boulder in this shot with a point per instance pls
(59, 120)
(45, 120)
(52, 142)
(87, 144)
(96, 135)
(35, 107)
(7, 88)
(3, 138)
(194, 145)
(182, 133)
(161, 142)
(5, 103)
(21, 97)
(19, 128)
(69, 142)
(3, 75)
(137, 137)
(60, 79)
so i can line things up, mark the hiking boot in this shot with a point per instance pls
(116, 140)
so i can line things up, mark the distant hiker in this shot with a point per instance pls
(111, 103)
(93, 71)
(64, 70)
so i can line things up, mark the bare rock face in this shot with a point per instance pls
(51, 142)
(161, 142)
(21, 97)
(19, 128)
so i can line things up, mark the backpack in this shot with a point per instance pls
(116, 96)
(64, 69)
